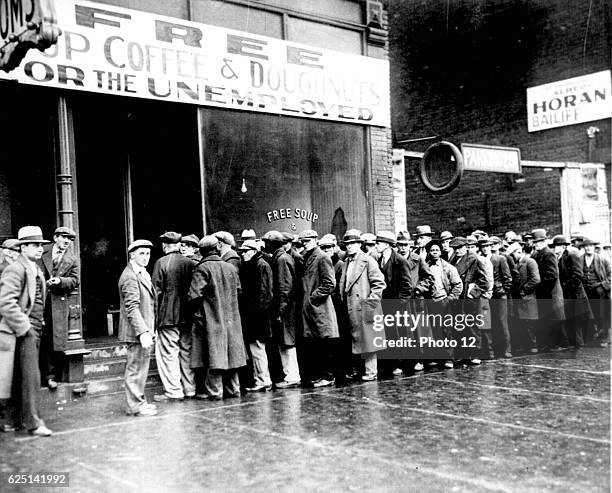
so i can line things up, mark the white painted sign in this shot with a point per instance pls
(570, 101)
(112, 50)
(491, 158)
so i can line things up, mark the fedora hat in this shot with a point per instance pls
(368, 238)
(424, 230)
(136, 244)
(403, 238)
(589, 241)
(248, 234)
(539, 234)
(249, 245)
(352, 236)
(559, 240)
(30, 234)
(386, 237)
(471, 240)
(446, 235)
(495, 240)
(65, 231)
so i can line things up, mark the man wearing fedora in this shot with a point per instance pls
(10, 252)
(551, 332)
(404, 244)
(62, 272)
(137, 299)
(171, 280)
(320, 325)
(424, 235)
(447, 250)
(22, 304)
(577, 307)
(596, 272)
(369, 245)
(361, 287)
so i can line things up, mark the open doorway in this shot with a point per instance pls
(137, 176)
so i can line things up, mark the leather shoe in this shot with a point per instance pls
(51, 384)
(41, 431)
(369, 377)
(287, 385)
(259, 388)
(144, 411)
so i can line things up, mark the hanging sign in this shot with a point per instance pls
(112, 50)
(491, 158)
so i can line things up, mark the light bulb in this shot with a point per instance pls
(243, 189)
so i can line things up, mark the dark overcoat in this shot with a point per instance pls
(362, 292)
(397, 278)
(502, 277)
(63, 296)
(256, 299)
(473, 274)
(17, 293)
(285, 296)
(171, 279)
(549, 292)
(318, 283)
(571, 278)
(136, 305)
(218, 342)
(526, 303)
(421, 278)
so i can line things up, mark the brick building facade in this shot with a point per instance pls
(460, 70)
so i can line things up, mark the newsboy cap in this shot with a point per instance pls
(273, 236)
(65, 231)
(386, 237)
(170, 237)
(225, 237)
(328, 240)
(287, 237)
(30, 234)
(249, 245)
(308, 234)
(208, 242)
(136, 244)
(11, 244)
(458, 241)
(192, 240)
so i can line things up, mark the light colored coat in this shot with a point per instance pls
(17, 292)
(362, 293)
(136, 306)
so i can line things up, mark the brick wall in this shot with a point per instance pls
(460, 70)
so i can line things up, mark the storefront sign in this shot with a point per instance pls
(112, 50)
(25, 24)
(570, 101)
(491, 158)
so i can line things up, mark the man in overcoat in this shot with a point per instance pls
(137, 325)
(576, 304)
(361, 287)
(255, 303)
(320, 325)
(214, 295)
(171, 280)
(596, 271)
(22, 301)
(62, 272)
(226, 247)
(525, 302)
(551, 332)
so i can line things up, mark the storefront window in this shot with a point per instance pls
(271, 172)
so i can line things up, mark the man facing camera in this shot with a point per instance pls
(137, 325)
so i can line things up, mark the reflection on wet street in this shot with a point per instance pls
(533, 423)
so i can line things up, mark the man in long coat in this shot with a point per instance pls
(62, 272)
(22, 301)
(137, 325)
(551, 332)
(525, 303)
(576, 303)
(285, 295)
(171, 279)
(226, 250)
(596, 270)
(214, 294)
(255, 304)
(320, 325)
(361, 287)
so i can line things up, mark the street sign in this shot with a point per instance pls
(491, 158)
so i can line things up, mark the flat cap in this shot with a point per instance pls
(274, 236)
(190, 240)
(386, 236)
(308, 234)
(514, 247)
(227, 238)
(287, 237)
(471, 240)
(11, 244)
(208, 242)
(458, 241)
(495, 240)
(446, 235)
(368, 238)
(136, 244)
(65, 231)
(327, 240)
(170, 237)
(249, 245)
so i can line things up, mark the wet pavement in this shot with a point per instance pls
(533, 423)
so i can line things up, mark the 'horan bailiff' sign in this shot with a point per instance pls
(570, 101)
(112, 50)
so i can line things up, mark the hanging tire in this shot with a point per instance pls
(443, 155)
